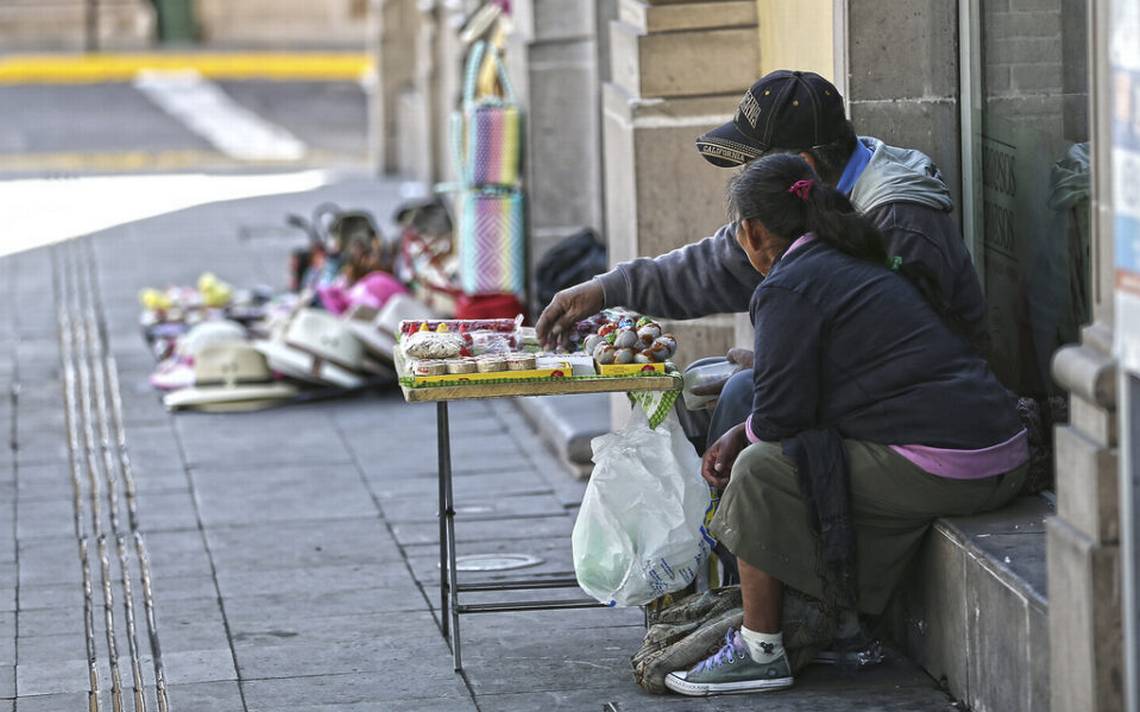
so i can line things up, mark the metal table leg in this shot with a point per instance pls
(450, 593)
(449, 586)
(443, 450)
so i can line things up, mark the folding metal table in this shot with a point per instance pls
(449, 585)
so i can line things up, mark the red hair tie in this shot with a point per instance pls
(802, 188)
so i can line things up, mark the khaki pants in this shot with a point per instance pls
(762, 517)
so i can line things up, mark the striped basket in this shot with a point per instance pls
(493, 139)
(492, 252)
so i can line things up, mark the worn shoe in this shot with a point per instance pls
(731, 671)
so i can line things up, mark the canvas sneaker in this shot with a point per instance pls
(731, 671)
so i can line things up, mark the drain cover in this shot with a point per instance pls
(495, 562)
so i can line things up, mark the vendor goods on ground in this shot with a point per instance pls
(230, 376)
(319, 348)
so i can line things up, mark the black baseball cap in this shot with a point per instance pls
(784, 109)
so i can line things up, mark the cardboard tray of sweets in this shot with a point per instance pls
(537, 383)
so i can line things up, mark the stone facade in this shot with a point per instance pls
(63, 24)
(283, 23)
(677, 70)
(554, 59)
(1085, 574)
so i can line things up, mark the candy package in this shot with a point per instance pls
(505, 326)
(433, 345)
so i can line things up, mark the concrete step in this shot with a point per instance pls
(567, 424)
(974, 613)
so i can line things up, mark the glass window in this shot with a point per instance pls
(1033, 166)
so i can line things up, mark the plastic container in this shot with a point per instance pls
(705, 374)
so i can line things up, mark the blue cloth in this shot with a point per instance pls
(842, 343)
(854, 168)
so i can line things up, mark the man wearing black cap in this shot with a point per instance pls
(900, 190)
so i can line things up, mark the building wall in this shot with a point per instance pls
(42, 25)
(902, 73)
(797, 35)
(283, 23)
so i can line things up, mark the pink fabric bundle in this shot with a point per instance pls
(373, 290)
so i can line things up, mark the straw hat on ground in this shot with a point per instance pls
(318, 348)
(230, 376)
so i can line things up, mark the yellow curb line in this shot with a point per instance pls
(86, 69)
(130, 161)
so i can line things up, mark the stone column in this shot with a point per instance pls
(412, 53)
(554, 65)
(447, 82)
(677, 70)
(396, 69)
(1085, 623)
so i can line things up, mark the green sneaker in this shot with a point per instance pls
(731, 671)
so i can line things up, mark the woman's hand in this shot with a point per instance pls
(716, 465)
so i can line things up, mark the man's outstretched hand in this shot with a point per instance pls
(568, 307)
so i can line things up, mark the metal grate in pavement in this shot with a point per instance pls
(102, 487)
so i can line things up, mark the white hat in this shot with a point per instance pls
(317, 347)
(178, 370)
(230, 376)
(361, 320)
(209, 332)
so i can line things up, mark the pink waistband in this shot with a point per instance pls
(969, 464)
(957, 464)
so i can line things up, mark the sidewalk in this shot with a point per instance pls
(293, 552)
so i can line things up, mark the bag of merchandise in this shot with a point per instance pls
(640, 533)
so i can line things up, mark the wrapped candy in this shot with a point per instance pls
(626, 339)
(650, 330)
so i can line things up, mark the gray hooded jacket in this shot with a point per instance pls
(900, 191)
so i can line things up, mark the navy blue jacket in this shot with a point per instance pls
(848, 345)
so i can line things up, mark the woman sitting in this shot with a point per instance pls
(871, 417)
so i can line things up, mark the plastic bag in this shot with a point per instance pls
(640, 533)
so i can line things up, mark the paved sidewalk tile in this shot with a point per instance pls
(222, 696)
(299, 544)
(438, 685)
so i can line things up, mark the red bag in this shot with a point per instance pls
(488, 306)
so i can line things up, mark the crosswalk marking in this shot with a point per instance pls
(208, 111)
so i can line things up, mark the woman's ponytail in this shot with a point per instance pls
(831, 218)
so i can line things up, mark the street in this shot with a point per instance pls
(117, 126)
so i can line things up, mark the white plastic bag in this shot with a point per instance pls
(640, 531)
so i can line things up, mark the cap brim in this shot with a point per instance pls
(726, 147)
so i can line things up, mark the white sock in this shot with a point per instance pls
(763, 647)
